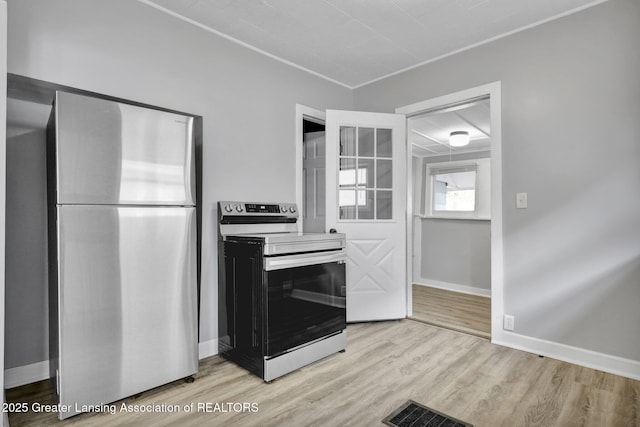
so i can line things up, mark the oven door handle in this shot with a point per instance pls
(301, 260)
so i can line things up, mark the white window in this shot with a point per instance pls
(457, 189)
(454, 189)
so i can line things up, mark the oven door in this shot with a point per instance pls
(306, 299)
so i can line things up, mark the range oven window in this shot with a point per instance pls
(303, 304)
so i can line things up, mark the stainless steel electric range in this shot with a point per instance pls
(282, 294)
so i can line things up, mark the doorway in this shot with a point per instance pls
(451, 215)
(313, 175)
(310, 190)
(455, 247)
(365, 199)
(340, 131)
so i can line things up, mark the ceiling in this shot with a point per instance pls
(429, 132)
(355, 42)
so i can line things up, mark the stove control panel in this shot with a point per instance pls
(260, 208)
(257, 209)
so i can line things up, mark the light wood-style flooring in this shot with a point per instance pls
(385, 364)
(452, 310)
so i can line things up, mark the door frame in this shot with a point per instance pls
(302, 111)
(494, 90)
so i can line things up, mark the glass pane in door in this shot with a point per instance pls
(384, 207)
(366, 206)
(383, 173)
(366, 142)
(366, 173)
(347, 141)
(365, 176)
(347, 173)
(383, 142)
(347, 202)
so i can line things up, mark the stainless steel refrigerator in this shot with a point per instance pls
(122, 250)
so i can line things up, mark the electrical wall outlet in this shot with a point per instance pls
(508, 323)
(521, 200)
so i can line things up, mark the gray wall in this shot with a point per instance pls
(126, 49)
(26, 236)
(456, 251)
(571, 139)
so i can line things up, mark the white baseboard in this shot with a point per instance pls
(578, 356)
(208, 348)
(27, 374)
(465, 289)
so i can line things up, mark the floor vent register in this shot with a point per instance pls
(413, 414)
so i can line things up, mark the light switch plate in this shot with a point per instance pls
(521, 201)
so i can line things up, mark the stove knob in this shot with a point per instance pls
(228, 208)
(292, 209)
(284, 209)
(239, 208)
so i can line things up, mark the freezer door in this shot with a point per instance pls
(127, 301)
(113, 153)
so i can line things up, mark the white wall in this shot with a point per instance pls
(571, 139)
(126, 49)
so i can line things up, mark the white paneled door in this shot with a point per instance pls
(313, 177)
(366, 199)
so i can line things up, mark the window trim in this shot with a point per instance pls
(434, 172)
(482, 209)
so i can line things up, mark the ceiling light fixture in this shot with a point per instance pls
(459, 138)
